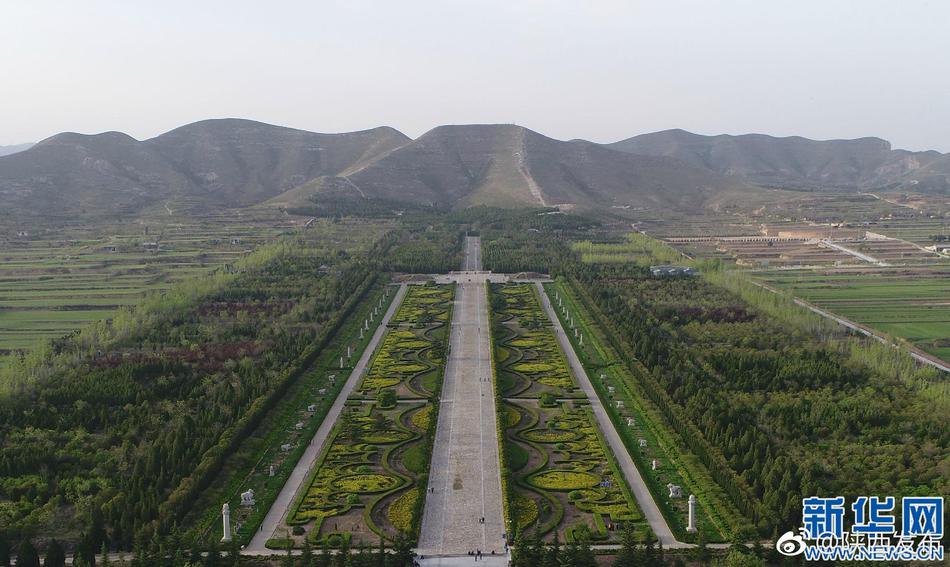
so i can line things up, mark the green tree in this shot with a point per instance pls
(386, 398)
(629, 555)
(26, 555)
(104, 552)
(701, 551)
(213, 558)
(739, 558)
(584, 556)
(552, 554)
(4, 552)
(402, 554)
(289, 558)
(55, 555)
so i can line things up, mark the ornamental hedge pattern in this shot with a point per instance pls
(370, 478)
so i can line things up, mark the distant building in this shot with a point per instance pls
(150, 245)
(668, 271)
(940, 248)
(23, 234)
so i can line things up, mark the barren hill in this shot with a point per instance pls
(7, 150)
(231, 162)
(795, 162)
(508, 165)
(217, 162)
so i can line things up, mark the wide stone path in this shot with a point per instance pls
(473, 254)
(464, 478)
(276, 516)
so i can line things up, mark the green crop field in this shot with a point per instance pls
(58, 279)
(909, 303)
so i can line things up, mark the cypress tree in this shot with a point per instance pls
(55, 555)
(104, 551)
(306, 558)
(213, 558)
(26, 555)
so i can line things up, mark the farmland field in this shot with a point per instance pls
(910, 303)
(56, 280)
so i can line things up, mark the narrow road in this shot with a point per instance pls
(276, 516)
(640, 491)
(463, 508)
(855, 253)
(473, 254)
(917, 354)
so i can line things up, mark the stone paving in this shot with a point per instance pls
(463, 509)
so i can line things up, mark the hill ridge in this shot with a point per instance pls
(798, 162)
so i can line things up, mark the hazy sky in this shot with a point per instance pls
(601, 70)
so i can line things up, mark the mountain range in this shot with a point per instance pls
(799, 163)
(233, 162)
(7, 150)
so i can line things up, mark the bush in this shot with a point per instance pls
(386, 398)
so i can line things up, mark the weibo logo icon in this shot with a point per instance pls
(790, 544)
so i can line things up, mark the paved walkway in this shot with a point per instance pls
(464, 561)
(640, 491)
(464, 478)
(276, 516)
(473, 254)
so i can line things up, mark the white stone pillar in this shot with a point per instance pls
(691, 526)
(341, 362)
(226, 519)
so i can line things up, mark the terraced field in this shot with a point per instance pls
(561, 479)
(370, 480)
(909, 303)
(56, 280)
(918, 230)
